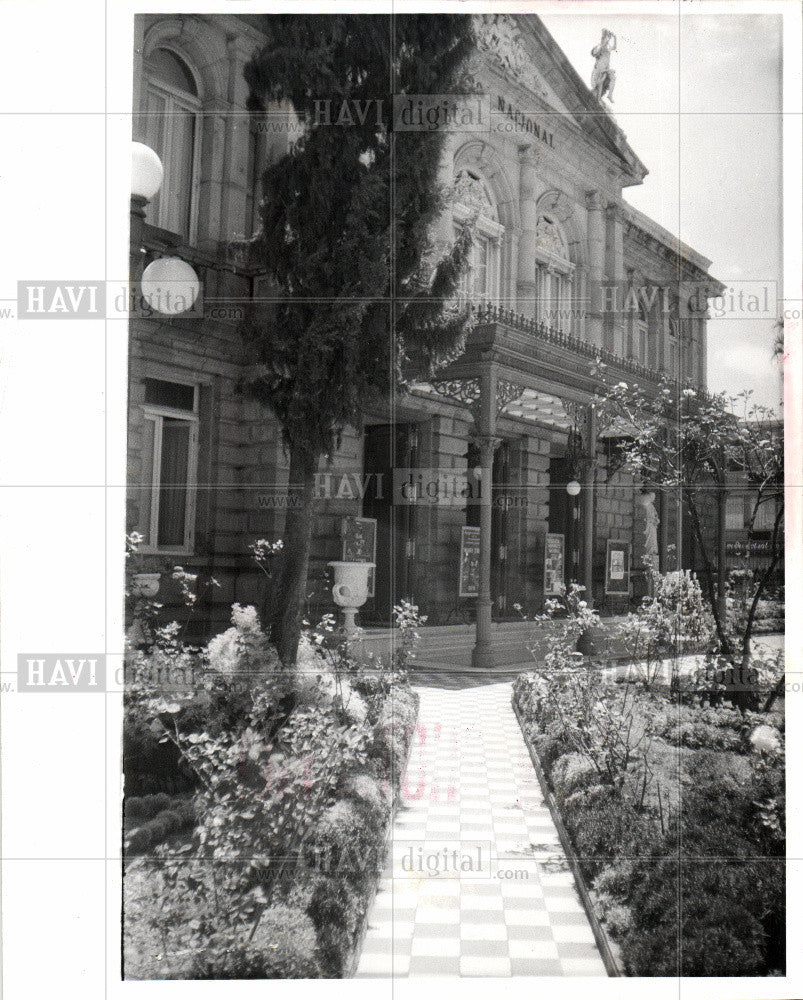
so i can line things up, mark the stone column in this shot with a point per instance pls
(443, 230)
(485, 422)
(588, 503)
(702, 347)
(236, 140)
(616, 277)
(528, 186)
(596, 267)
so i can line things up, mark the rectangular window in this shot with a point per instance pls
(480, 265)
(170, 453)
(478, 281)
(642, 342)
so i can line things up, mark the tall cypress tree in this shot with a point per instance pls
(347, 219)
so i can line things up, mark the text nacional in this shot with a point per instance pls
(523, 123)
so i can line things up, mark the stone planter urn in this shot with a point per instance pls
(350, 589)
(146, 584)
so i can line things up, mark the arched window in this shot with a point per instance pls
(473, 203)
(170, 124)
(553, 275)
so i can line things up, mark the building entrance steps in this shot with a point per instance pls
(476, 882)
(516, 645)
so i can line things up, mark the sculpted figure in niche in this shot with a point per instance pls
(603, 77)
(650, 528)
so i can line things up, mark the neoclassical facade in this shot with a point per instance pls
(568, 282)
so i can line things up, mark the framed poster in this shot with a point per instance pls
(617, 567)
(469, 561)
(554, 557)
(359, 544)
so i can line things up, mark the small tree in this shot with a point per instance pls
(685, 440)
(346, 221)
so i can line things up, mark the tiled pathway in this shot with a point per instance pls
(503, 901)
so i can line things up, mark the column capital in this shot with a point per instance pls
(486, 441)
(615, 212)
(594, 202)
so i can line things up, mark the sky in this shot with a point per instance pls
(699, 99)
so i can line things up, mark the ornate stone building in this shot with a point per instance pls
(572, 286)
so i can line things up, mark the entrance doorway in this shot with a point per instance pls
(389, 447)
(564, 515)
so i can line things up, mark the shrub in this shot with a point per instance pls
(138, 809)
(718, 935)
(335, 909)
(571, 772)
(369, 794)
(284, 946)
(346, 842)
(165, 824)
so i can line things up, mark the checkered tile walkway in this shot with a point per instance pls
(476, 883)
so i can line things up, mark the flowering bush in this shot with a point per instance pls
(674, 618)
(243, 650)
(293, 784)
(575, 618)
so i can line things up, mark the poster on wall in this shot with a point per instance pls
(359, 544)
(617, 567)
(469, 562)
(554, 549)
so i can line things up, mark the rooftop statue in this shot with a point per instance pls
(603, 77)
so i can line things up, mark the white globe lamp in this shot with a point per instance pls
(170, 286)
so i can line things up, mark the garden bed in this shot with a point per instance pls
(674, 810)
(274, 854)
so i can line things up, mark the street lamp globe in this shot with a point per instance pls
(147, 172)
(573, 488)
(170, 285)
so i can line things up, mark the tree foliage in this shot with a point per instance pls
(346, 238)
(700, 445)
(347, 217)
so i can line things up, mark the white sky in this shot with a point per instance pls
(699, 98)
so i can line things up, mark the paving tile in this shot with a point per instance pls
(429, 946)
(434, 965)
(532, 948)
(483, 931)
(484, 965)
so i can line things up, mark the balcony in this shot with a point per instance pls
(487, 313)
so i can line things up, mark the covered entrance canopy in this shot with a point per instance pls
(515, 366)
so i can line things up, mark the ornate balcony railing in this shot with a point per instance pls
(488, 312)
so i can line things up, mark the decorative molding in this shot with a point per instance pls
(465, 391)
(507, 392)
(550, 239)
(557, 204)
(500, 37)
(594, 201)
(473, 194)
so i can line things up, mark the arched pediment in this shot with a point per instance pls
(199, 46)
(479, 159)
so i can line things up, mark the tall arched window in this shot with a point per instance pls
(170, 124)
(553, 275)
(473, 203)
